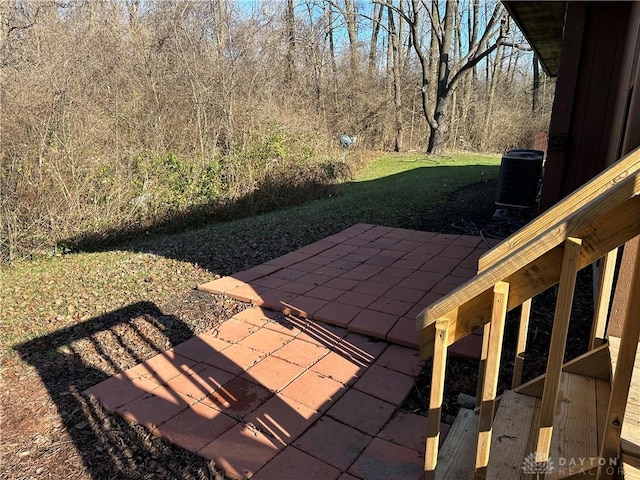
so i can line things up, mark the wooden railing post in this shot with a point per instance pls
(521, 346)
(603, 300)
(555, 360)
(491, 372)
(437, 394)
(610, 447)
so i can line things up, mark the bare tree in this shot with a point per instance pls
(373, 43)
(291, 42)
(397, 99)
(449, 72)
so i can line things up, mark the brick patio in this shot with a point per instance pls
(309, 381)
(369, 279)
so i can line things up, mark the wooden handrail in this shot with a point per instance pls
(583, 195)
(604, 223)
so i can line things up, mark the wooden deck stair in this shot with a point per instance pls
(576, 409)
(456, 459)
(579, 421)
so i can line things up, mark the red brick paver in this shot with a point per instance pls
(407, 429)
(383, 460)
(241, 451)
(362, 412)
(381, 269)
(333, 442)
(293, 464)
(385, 384)
(282, 419)
(274, 393)
(196, 427)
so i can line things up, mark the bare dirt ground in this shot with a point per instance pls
(50, 430)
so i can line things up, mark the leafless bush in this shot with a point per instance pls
(122, 114)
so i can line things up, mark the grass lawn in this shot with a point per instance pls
(71, 321)
(409, 191)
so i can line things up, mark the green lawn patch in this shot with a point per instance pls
(411, 191)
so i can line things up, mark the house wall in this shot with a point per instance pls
(596, 112)
(586, 117)
(628, 140)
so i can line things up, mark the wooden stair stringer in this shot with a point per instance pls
(457, 457)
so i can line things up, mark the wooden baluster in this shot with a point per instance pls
(437, 394)
(601, 309)
(518, 364)
(490, 384)
(558, 343)
(483, 361)
(610, 447)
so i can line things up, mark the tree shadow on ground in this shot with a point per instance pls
(72, 359)
(159, 393)
(435, 199)
(273, 194)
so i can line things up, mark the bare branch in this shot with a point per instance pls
(391, 6)
(518, 46)
(470, 64)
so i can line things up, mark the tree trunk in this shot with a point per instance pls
(350, 19)
(316, 62)
(397, 99)
(221, 26)
(405, 60)
(493, 84)
(332, 52)
(424, 64)
(373, 45)
(535, 98)
(291, 42)
(434, 47)
(439, 130)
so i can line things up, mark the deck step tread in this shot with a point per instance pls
(510, 434)
(582, 402)
(457, 457)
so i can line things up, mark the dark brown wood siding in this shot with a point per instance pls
(628, 140)
(587, 96)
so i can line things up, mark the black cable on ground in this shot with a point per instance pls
(495, 230)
